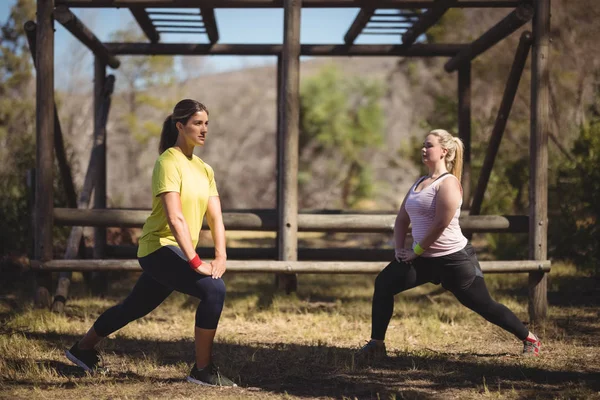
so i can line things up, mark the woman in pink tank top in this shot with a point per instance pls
(440, 253)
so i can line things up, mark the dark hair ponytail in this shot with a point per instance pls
(182, 112)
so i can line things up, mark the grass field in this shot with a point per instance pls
(301, 346)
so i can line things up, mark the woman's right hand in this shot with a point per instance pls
(204, 269)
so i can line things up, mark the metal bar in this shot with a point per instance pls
(510, 91)
(144, 21)
(502, 29)
(538, 150)
(381, 4)
(80, 31)
(426, 21)
(359, 23)
(312, 267)
(416, 50)
(176, 20)
(189, 14)
(210, 22)
(199, 26)
(266, 220)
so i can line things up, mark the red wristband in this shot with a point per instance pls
(195, 262)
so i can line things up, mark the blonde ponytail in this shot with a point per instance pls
(455, 147)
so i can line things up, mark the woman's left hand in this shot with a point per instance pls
(218, 267)
(406, 255)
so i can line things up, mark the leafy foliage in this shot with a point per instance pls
(342, 117)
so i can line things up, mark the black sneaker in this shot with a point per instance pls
(209, 376)
(372, 351)
(89, 360)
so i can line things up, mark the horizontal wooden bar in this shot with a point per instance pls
(268, 253)
(81, 32)
(382, 4)
(271, 266)
(416, 50)
(266, 220)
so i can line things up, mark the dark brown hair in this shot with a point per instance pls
(182, 112)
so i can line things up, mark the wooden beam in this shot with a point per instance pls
(144, 21)
(426, 21)
(59, 145)
(85, 196)
(287, 218)
(359, 23)
(381, 4)
(80, 31)
(44, 161)
(510, 91)
(266, 220)
(210, 22)
(538, 150)
(270, 266)
(416, 50)
(502, 29)
(464, 128)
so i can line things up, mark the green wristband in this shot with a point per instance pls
(418, 249)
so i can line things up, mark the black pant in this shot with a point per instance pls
(458, 272)
(165, 270)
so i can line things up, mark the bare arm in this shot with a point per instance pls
(214, 217)
(171, 202)
(400, 229)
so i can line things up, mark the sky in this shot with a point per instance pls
(318, 26)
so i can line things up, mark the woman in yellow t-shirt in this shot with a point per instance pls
(183, 189)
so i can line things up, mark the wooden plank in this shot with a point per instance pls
(382, 4)
(502, 29)
(210, 22)
(464, 128)
(44, 161)
(367, 50)
(359, 23)
(426, 21)
(271, 266)
(80, 31)
(538, 170)
(144, 21)
(510, 91)
(266, 220)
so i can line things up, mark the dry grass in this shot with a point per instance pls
(301, 346)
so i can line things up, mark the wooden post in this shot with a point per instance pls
(290, 123)
(538, 183)
(512, 84)
(44, 166)
(75, 242)
(464, 128)
(59, 146)
(99, 282)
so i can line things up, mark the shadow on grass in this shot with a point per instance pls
(319, 370)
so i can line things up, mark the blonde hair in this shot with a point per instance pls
(455, 147)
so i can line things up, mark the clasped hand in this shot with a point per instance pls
(405, 255)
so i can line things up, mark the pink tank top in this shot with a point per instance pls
(420, 207)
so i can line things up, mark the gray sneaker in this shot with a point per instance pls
(209, 376)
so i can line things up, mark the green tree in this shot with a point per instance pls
(341, 118)
(17, 128)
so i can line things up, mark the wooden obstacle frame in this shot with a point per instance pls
(397, 18)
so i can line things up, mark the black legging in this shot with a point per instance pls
(165, 270)
(458, 272)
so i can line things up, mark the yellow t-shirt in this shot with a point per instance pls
(194, 180)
